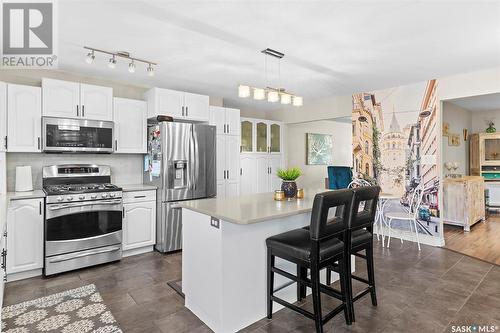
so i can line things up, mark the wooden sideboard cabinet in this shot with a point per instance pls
(463, 201)
(484, 155)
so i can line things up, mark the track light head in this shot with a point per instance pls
(90, 57)
(150, 70)
(131, 67)
(112, 62)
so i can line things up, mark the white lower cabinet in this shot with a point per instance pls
(24, 238)
(139, 222)
(258, 173)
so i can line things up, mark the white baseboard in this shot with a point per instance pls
(140, 250)
(24, 275)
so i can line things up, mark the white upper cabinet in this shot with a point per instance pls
(177, 104)
(67, 99)
(130, 119)
(60, 98)
(24, 111)
(226, 120)
(3, 116)
(196, 106)
(261, 136)
(96, 102)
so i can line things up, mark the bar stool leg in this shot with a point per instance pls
(270, 283)
(347, 266)
(328, 276)
(301, 288)
(343, 290)
(371, 273)
(316, 296)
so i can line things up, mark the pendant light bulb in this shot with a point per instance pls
(131, 67)
(259, 94)
(286, 99)
(243, 91)
(273, 96)
(112, 62)
(297, 101)
(150, 70)
(90, 57)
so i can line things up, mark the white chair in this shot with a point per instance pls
(358, 182)
(411, 216)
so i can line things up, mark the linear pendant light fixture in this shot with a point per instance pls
(120, 54)
(273, 94)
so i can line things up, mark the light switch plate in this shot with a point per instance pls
(214, 222)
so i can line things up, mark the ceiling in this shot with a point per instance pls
(490, 102)
(331, 47)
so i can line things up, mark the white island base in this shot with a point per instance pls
(224, 268)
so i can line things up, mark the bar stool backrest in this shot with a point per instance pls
(362, 218)
(323, 228)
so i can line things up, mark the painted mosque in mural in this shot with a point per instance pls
(396, 147)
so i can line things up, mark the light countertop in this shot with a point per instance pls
(253, 208)
(136, 187)
(25, 195)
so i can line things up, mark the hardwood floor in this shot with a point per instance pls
(417, 291)
(482, 242)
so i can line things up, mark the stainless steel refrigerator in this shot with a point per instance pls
(181, 163)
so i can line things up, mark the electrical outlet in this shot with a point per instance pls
(214, 222)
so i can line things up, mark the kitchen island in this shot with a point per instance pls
(224, 256)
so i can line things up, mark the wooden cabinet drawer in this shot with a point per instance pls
(139, 196)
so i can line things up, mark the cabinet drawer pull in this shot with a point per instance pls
(77, 112)
(139, 196)
(83, 110)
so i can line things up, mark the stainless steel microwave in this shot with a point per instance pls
(64, 135)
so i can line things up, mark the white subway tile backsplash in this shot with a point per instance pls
(125, 168)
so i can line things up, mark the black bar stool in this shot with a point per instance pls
(314, 249)
(360, 237)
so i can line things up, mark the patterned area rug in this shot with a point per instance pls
(79, 310)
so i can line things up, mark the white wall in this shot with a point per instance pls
(314, 175)
(458, 119)
(481, 119)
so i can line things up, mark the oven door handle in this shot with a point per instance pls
(83, 254)
(92, 203)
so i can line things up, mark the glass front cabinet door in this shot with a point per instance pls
(261, 137)
(492, 150)
(247, 133)
(275, 138)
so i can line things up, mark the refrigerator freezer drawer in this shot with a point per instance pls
(169, 227)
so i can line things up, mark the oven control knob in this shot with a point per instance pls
(60, 198)
(69, 198)
(111, 195)
(105, 195)
(81, 197)
(93, 196)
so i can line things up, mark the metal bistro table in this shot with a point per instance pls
(380, 221)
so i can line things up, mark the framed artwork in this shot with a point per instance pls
(446, 129)
(319, 149)
(454, 140)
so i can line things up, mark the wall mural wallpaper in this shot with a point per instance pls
(396, 145)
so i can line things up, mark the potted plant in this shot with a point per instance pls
(289, 186)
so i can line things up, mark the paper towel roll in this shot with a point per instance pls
(24, 181)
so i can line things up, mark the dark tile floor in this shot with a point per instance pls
(427, 291)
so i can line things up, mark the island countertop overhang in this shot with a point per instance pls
(253, 208)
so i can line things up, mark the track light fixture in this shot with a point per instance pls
(121, 54)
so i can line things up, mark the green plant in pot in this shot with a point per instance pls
(288, 176)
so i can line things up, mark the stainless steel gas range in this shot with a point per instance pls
(83, 217)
